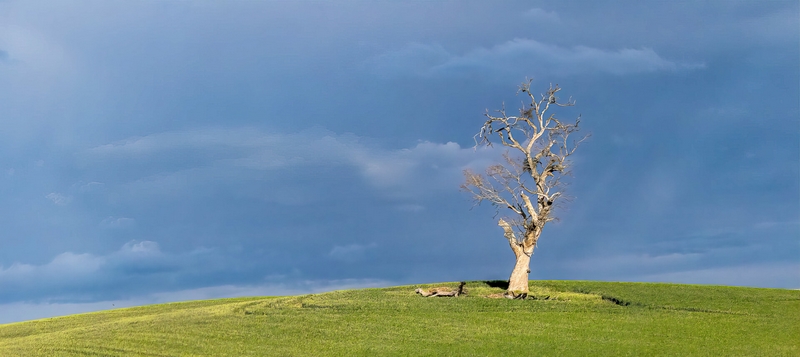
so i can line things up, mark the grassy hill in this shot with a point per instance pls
(563, 318)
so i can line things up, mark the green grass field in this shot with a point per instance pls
(580, 318)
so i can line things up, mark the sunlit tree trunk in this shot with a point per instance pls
(518, 282)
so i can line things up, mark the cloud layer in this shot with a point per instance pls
(75, 277)
(511, 59)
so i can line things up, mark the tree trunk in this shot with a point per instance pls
(518, 282)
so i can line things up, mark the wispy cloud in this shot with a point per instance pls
(728, 256)
(519, 56)
(72, 277)
(541, 15)
(117, 222)
(399, 171)
(58, 198)
(351, 252)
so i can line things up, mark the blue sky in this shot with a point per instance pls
(158, 151)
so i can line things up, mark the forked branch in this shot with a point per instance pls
(529, 182)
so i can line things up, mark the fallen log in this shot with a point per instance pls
(441, 291)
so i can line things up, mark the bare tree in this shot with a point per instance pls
(529, 180)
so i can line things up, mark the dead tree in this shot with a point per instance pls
(528, 182)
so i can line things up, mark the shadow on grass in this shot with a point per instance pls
(502, 284)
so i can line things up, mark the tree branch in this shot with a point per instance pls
(541, 147)
(508, 232)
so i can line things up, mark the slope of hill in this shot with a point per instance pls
(561, 318)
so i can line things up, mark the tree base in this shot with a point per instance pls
(515, 295)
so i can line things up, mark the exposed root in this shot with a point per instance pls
(515, 295)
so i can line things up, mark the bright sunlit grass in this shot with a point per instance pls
(566, 318)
